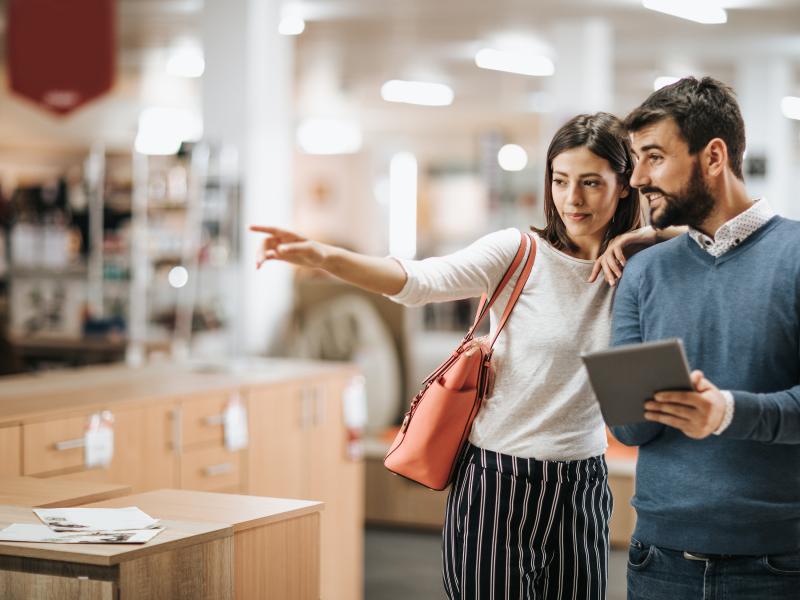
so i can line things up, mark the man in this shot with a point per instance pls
(718, 475)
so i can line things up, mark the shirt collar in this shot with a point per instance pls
(734, 232)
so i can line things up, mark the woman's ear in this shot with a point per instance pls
(626, 191)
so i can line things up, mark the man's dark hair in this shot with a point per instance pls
(703, 109)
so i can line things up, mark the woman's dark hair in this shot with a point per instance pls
(604, 135)
(703, 109)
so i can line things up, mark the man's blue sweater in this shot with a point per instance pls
(739, 318)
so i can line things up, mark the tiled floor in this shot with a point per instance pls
(403, 565)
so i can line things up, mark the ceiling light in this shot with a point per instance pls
(664, 81)
(512, 158)
(699, 11)
(417, 92)
(186, 61)
(329, 136)
(514, 62)
(790, 107)
(291, 25)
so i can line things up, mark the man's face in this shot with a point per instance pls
(669, 177)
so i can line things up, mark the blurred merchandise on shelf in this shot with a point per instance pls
(67, 253)
(184, 239)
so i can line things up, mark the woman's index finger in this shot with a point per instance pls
(265, 229)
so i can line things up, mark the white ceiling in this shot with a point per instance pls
(362, 43)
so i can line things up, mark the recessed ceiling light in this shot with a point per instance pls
(514, 62)
(417, 92)
(707, 12)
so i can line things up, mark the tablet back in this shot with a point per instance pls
(623, 378)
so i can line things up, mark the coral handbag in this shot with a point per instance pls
(436, 427)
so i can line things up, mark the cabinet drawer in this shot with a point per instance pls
(201, 418)
(53, 445)
(11, 450)
(211, 470)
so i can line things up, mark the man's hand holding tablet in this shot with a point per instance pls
(651, 382)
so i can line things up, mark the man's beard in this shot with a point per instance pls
(691, 206)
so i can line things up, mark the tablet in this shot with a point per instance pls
(623, 378)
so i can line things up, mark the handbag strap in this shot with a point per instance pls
(483, 305)
(525, 242)
(521, 281)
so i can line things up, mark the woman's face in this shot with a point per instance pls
(586, 192)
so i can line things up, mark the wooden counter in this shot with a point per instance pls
(32, 397)
(49, 493)
(169, 433)
(276, 541)
(191, 561)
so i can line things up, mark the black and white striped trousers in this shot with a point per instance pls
(520, 528)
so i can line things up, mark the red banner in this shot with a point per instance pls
(61, 53)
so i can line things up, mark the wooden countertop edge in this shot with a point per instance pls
(57, 552)
(279, 517)
(74, 403)
(98, 496)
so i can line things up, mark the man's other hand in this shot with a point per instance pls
(698, 414)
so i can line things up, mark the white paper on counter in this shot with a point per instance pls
(95, 519)
(26, 532)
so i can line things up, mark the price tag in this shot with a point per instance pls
(99, 440)
(355, 416)
(235, 424)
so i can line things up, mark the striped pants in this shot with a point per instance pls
(521, 528)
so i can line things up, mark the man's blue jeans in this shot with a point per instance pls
(661, 574)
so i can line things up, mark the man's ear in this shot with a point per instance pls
(715, 157)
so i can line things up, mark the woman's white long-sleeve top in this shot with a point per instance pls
(542, 406)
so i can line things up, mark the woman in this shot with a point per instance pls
(527, 514)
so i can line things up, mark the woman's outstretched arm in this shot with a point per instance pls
(371, 273)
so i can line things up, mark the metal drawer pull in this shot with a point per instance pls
(219, 469)
(215, 420)
(70, 444)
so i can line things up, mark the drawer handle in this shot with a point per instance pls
(219, 469)
(215, 420)
(70, 444)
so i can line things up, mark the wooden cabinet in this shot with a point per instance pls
(187, 561)
(213, 469)
(279, 422)
(341, 482)
(276, 541)
(144, 449)
(396, 501)
(202, 419)
(299, 450)
(169, 432)
(51, 446)
(205, 463)
(11, 450)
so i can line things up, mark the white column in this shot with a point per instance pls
(584, 78)
(247, 88)
(761, 84)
